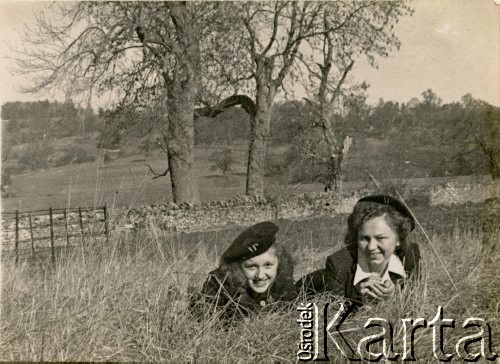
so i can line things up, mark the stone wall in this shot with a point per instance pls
(245, 210)
(241, 211)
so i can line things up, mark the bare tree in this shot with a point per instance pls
(334, 160)
(272, 33)
(144, 53)
(281, 41)
(338, 53)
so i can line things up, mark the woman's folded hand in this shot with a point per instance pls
(374, 287)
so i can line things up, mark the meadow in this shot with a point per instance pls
(128, 181)
(127, 300)
(125, 181)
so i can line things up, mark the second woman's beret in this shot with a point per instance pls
(393, 202)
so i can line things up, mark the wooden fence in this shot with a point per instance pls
(26, 232)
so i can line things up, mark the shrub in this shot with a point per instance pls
(304, 170)
(6, 179)
(222, 160)
(36, 156)
(13, 168)
(290, 166)
(276, 164)
(109, 138)
(412, 195)
(26, 136)
(449, 193)
(13, 155)
(75, 155)
(112, 155)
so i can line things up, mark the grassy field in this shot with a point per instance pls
(128, 181)
(124, 181)
(126, 301)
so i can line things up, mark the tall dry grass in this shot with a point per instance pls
(126, 300)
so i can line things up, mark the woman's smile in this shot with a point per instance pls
(260, 282)
(375, 256)
(377, 241)
(260, 271)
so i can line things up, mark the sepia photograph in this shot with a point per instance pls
(250, 181)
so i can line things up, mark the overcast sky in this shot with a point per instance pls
(450, 46)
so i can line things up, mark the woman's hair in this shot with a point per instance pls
(235, 279)
(364, 211)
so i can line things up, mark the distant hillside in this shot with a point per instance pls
(422, 138)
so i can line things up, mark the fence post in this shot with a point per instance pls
(105, 212)
(31, 234)
(81, 224)
(66, 226)
(17, 236)
(81, 233)
(52, 237)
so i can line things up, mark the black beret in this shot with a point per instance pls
(251, 242)
(393, 202)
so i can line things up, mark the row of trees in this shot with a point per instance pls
(36, 109)
(455, 138)
(28, 122)
(458, 137)
(188, 59)
(421, 138)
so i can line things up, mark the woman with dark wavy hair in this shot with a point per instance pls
(376, 258)
(254, 272)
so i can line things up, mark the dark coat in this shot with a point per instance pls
(232, 300)
(338, 275)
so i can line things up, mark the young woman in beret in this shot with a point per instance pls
(254, 272)
(376, 257)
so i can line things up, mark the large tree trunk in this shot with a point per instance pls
(336, 161)
(260, 129)
(336, 153)
(180, 146)
(181, 98)
(336, 165)
(335, 175)
(260, 118)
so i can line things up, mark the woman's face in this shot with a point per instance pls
(377, 241)
(260, 271)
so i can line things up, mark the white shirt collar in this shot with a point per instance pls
(395, 266)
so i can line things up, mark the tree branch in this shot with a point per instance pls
(253, 51)
(277, 13)
(336, 93)
(158, 175)
(244, 101)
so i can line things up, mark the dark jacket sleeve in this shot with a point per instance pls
(333, 278)
(339, 267)
(212, 296)
(411, 258)
(284, 288)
